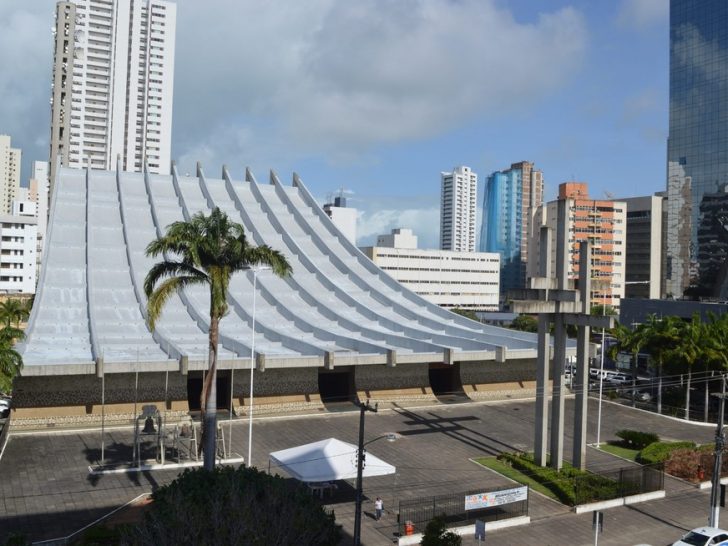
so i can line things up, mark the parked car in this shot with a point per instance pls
(4, 407)
(704, 536)
(639, 395)
(619, 379)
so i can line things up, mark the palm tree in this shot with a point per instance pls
(629, 341)
(13, 311)
(207, 251)
(662, 338)
(10, 360)
(690, 350)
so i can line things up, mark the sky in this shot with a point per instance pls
(377, 97)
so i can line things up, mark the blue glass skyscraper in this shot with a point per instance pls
(509, 202)
(697, 151)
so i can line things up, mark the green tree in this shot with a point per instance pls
(208, 250)
(436, 534)
(691, 350)
(14, 311)
(629, 341)
(525, 323)
(662, 337)
(10, 360)
(467, 313)
(236, 507)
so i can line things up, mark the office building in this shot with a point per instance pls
(450, 279)
(459, 193)
(510, 200)
(113, 74)
(697, 151)
(343, 217)
(37, 193)
(646, 219)
(603, 222)
(10, 159)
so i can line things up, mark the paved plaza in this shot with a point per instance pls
(47, 491)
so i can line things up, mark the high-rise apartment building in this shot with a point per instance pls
(510, 200)
(458, 197)
(697, 151)
(9, 174)
(603, 222)
(113, 74)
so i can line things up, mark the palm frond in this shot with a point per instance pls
(157, 299)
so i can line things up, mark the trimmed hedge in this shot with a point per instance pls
(660, 451)
(570, 485)
(635, 439)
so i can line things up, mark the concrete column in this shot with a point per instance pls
(542, 383)
(580, 381)
(557, 400)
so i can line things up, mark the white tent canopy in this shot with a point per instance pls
(327, 460)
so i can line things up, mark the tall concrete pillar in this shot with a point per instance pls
(557, 402)
(542, 395)
(542, 357)
(580, 381)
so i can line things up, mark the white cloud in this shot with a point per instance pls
(639, 14)
(378, 219)
(339, 78)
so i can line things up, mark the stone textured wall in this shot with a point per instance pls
(277, 381)
(478, 373)
(74, 390)
(381, 377)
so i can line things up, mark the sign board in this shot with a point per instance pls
(479, 529)
(496, 498)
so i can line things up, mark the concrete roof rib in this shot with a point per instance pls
(337, 305)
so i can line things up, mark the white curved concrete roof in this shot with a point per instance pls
(337, 308)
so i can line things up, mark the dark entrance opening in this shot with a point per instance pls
(446, 384)
(194, 390)
(336, 387)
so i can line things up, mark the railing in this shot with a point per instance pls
(420, 511)
(622, 482)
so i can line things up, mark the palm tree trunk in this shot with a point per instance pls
(687, 396)
(209, 400)
(634, 379)
(659, 388)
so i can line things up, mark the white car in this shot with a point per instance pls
(704, 536)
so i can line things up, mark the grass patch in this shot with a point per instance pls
(515, 475)
(621, 451)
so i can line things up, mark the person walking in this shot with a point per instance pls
(378, 508)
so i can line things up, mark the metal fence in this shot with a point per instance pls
(613, 484)
(419, 512)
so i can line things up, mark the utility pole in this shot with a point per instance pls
(363, 408)
(719, 444)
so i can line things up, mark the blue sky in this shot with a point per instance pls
(378, 97)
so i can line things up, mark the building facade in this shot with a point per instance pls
(113, 74)
(603, 222)
(10, 159)
(37, 193)
(510, 200)
(697, 151)
(458, 214)
(645, 246)
(450, 279)
(18, 246)
(343, 217)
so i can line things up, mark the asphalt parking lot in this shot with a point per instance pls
(47, 491)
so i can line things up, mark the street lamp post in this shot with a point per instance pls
(719, 444)
(255, 271)
(363, 408)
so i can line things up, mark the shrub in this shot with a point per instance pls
(560, 483)
(635, 439)
(436, 534)
(660, 451)
(235, 506)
